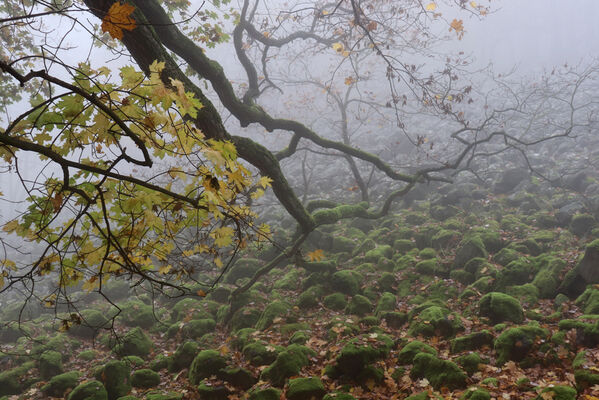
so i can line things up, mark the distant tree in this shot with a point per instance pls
(136, 165)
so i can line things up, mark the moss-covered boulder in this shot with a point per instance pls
(500, 307)
(387, 302)
(50, 364)
(183, 356)
(239, 377)
(59, 384)
(246, 317)
(213, 391)
(335, 301)
(134, 343)
(305, 389)
(410, 350)
(196, 328)
(90, 390)
(258, 353)
(381, 251)
(310, 297)
(472, 341)
(115, 376)
(558, 393)
(584, 273)
(516, 343)
(440, 373)
(243, 268)
(136, 313)
(470, 362)
(357, 355)
(517, 272)
(92, 322)
(547, 280)
(476, 394)
(287, 364)
(430, 266)
(338, 396)
(581, 224)
(205, 364)
(274, 310)
(345, 282)
(265, 394)
(470, 247)
(145, 378)
(435, 321)
(359, 305)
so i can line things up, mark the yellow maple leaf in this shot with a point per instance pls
(458, 26)
(338, 47)
(473, 4)
(316, 255)
(118, 18)
(349, 80)
(431, 7)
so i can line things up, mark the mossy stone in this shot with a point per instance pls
(435, 321)
(357, 354)
(92, 321)
(581, 224)
(243, 268)
(115, 376)
(505, 256)
(387, 282)
(469, 248)
(359, 305)
(159, 363)
(134, 343)
(159, 395)
(90, 390)
(335, 301)
(476, 394)
(472, 341)
(516, 343)
(183, 356)
(387, 302)
(50, 364)
(410, 350)
(559, 393)
(205, 364)
(394, 319)
(500, 307)
(305, 389)
(145, 378)
(438, 372)
(11, 382)
(87, 355)
(213, 392)
(462, 276)
(381, 251)
(259, 354)
(245, 318)
(271, 312)
(309, 297)
(59, 384)
(338, 396)
(470, 362)
(585, 379)
(265, 394)
(196, 328)
(288, 363)
(345, 282)
(430, 267)
(136, 313)
(527, 293)
(517, 272)
(239, 377)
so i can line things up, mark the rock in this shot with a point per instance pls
(558, 393)
(11, 382)
(183, 356)
(338, 396)
(469, 248)
(288, 363)
(581, 224)
(145, 379)
(516, 343)
(265, 394)
(115, 376)
(135, 313)
(359, 305)
(205, 364)
(470, 362)
(159, 395)
(510, 179)
(345, 282)
(238, 377)
(305, 389)
(134, 343)
(335, 301)
(243, 268)
(50, 364)
(381, 251)
(59, 384)
(410, 350)
(473, 341)
(589, 301)
(271, 312)
(586, 272)
(500, 307)
(358, 353)
(90, 390)
(387, 302)
(213, 392)
(565, 214)
(259, 354)
(159, 363)
(92, 321)
(196, 328)
(476, 394)
(430, 267)
(438, 372)
(547, 280)
(435, 321)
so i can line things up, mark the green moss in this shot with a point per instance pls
(499, 307)
(258, 353)
(335, 301)
(469, 248)
(92, 321)
(271, 312)
(517, 272)
(582, 224)
(88, 355)
(288, 363)
(245, 318)
(589, 301)
(381, 251)
(505, 256)
(472, 341)
(115, 376)
(183, 356)
(134, 361)
(59, 384)
(483, 285)
(145, 378)
(205, 364)
(585, 379)
(462, 276)
(243, 268)
(357, 354)
(213, 392)
(547, 280)
(338, 396)
(402, 246)
(196, 328)
(134, 343)
(290, 281)
(470, 362)
(265, 394)
(90, 390)
(305, 389)
(435, 321)
(410, 350)
(476, 394)
(387, 302)
(427, 253)
(136, 313)
(527, 293)
(445, 238)
(50, 364)
(430, 267)
(516, 343)
(188, 308)
(438, 372)
(559, 393)
(310, 297)
(359, 305)
(490, 382)
(345, 282)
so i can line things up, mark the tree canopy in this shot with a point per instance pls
(147, 152)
